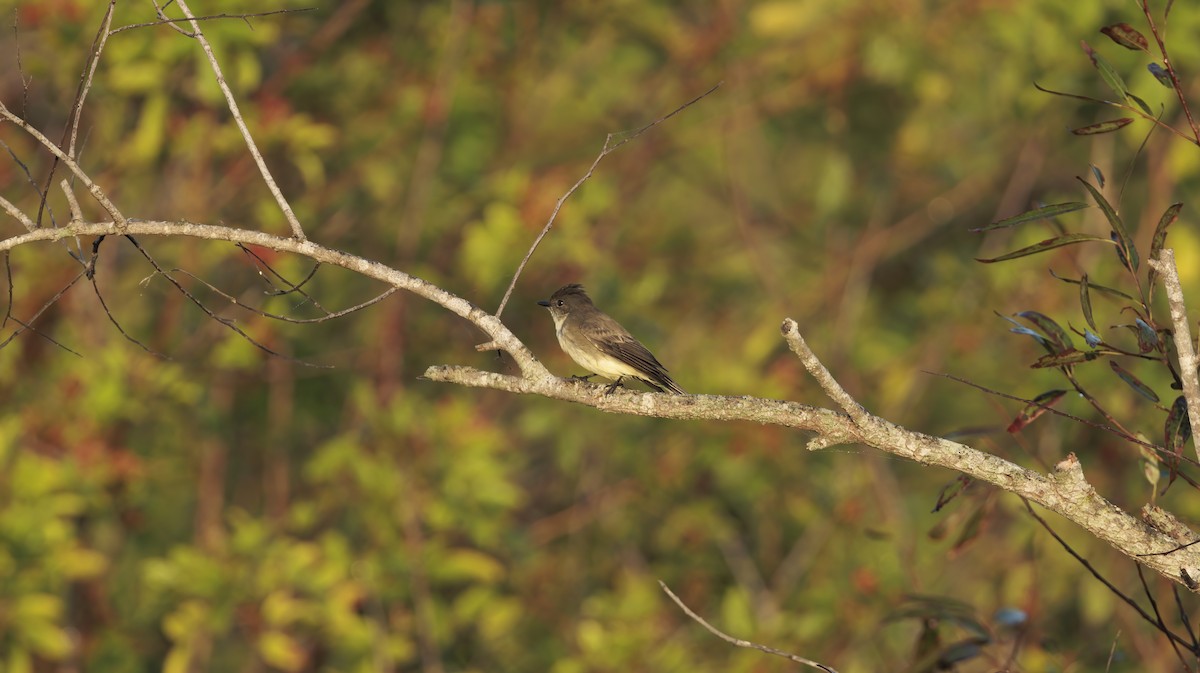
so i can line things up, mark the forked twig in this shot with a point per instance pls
(609, 148)
(738, 642)
(227, 322)
(283, 318)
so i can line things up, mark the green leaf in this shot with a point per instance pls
(1048, 244)
(1103, 289)
(1160, 240)
(1021, 329)
(1071, 357)
(1107, 72)
(1103, 127)
(1124, 241)
(1034, 215)
(1057, 335)
(1038, 406)
(1133, 381)
(1126, 36)
(1085, 301)
(1141, 103)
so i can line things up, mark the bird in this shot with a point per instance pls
(600, 345)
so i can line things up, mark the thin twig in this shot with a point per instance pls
(210, 17)
(283, 318)
(268, 179)
(1165, 265)
(738, 642)
(1175, 84)
(291, 287)
(28, 325)
(227, 322)
(1096, 573)
(91, 274)
(85, 84)
(609, 148)
(1183, 617)
(120, 220)
(28, 178)
(1099, 426)
(1161, 623)
(8, 274)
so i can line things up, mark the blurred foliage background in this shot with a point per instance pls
(225, 510)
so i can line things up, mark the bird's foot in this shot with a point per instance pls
(608, 390)
(581, 377)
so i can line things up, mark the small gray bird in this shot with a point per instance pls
(600, 345)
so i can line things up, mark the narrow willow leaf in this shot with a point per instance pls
(1098, 174)
(1133, 381)
(1034, 215)
(951, 491)
(1126, 36)
(1053, 331)
(1107, 72)
(1160, 240)
(1040, 405)
(1071, 357)
(1102, 289)
(1140, 103)
(1177, 431)
(1124, 241)
(1048, 244)
(1085, 301)
(1160, 73)
(1103, 127)
(1064, 94)
(967, 535)
(1021, 329)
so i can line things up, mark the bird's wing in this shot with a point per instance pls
(621, 345)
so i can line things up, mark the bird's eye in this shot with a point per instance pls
(560, 302)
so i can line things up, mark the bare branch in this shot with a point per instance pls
(85, 83)
(609, 148)
(268, 179)
(489, 324)
(28, 178)
(17, 214)
(738, 642)
(1064, 491)
(93, 188)
(1165, 265)
(791, 333)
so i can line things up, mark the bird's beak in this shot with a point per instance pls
(544, 303)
